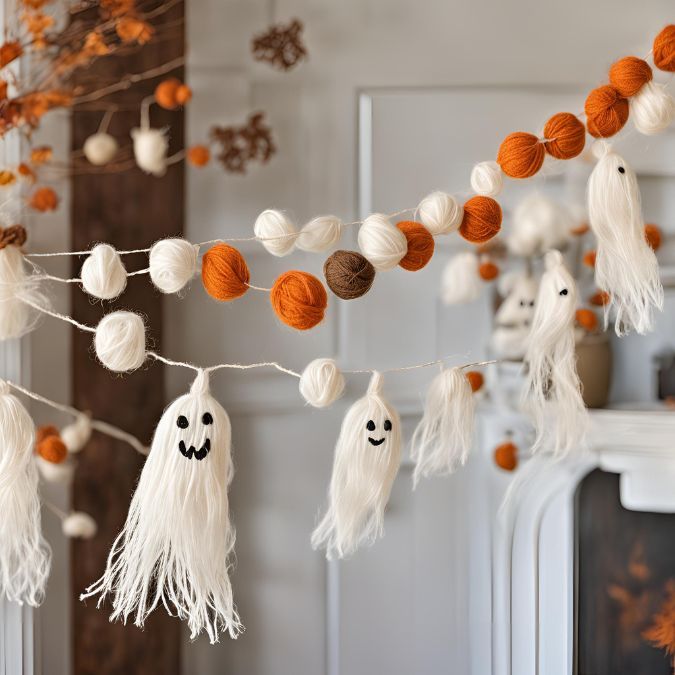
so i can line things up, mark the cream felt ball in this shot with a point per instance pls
(440, 213)
(120, 341)
(150, 150)
(103, 274)
(79, 525)
(276, 231)
(55, 473)
(173, 263)
(382, 244)
(487, 179)
(322, 383)
(100, 148)
(320, 233)
(76, 435)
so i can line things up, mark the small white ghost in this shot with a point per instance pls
(150, 150)
(100, 148)
(367, 458)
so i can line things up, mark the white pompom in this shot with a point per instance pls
(440, 213)
(487, 179)
(76, 435)
(103, 273)
(150, 150)
(322, 383)
(79, 525)
(319, 234)
(173, 263)
(278, 234)
(55, 473)
(652, 109)
(383, 244)
(120, 341)
(100, 148)
(461, 282)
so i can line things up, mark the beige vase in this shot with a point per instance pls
(594, 365)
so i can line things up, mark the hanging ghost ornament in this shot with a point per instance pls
(175, 548)
(150, 149)
(552, 393)
(625, 264)
(25, 557)
(367, 457)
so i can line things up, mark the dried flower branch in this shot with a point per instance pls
(281, 45)
(241, 145)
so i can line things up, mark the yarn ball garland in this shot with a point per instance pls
(664, 49)
(172, 264)
(487, 179)
(199, 155)
(565, 136)
(482, 219)
(420, 245)
(629, 74)
(319, 234)
(76, 435)
(606, 112)
(521, 155)
(277, 232)
(45, 431)
(382, 243)
(440, 213)
(652, 109)
(225, 274)
(119, 341)
(103, 274)
(349, 274)
(321, 383)
(299, 299)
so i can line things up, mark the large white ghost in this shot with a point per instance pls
(176, 544)
(367, 458)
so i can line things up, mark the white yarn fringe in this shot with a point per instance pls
(363, 475)
(176, 544)
(443, 438)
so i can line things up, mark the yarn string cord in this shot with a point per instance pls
(59, 513)
(426, 364)
(57, 315)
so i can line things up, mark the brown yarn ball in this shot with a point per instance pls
(45, 431)
(589, 258)
(629, 74)
(606, 112)
(565, 136)
(420, 245)
(587, 319)
(506, 456)
(52, 449)
(488, 271)
(664, 49)
(653, 236)
(476, 380)
(348, 274)
(299, 299)
(521, 155)
(482, 219)
(225, 273)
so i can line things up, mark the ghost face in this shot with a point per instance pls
(514, 318)
(372, 427)
(189, 451)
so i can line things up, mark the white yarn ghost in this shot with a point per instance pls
(367, 457)
(25, 557)
(176, 544)
(513, 319)
(625, 264)
(460, 281)
(150, 150)
(442, 440)
(553, 391)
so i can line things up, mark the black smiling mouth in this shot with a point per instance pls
(190, 452)
(374, 442)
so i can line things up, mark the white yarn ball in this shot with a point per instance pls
(652, 109)
(440, 213)
(173, 263)
(319, 234)
(55, 473)
(322, 383)
(487, 179)
(383, 244)
(100, 148)
(277, 232)
(76, 435)
(150, 150)
(120, 341)
(103, 273)
(79, 525)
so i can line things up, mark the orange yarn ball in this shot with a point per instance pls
(199, 155)
(476, 380)
(488, 271)
(420, 245)
(506, 456)
(299, 299)
(629, 74)
(45, 432)
(606, 112)
(664, 49)
(565, 136)
(581, 230)
(521, 155)
(589, 258)
(166, 93)
(587, 319)
(482, 219)
(52, 449)
(599, 299)
(653, 236)
(225, 273)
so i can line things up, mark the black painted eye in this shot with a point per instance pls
(622, 170)
(207, 419)
(564, 291)
(387, 425)
(371, 425)
(531, 303)
(182, 422)
(522, 303)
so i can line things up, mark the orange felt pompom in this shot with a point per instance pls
(166, 93)
(653, 236)
(225, 273)
(506, 456)
(476, 380)
(183, 94)
(44, 199)
(587, 319)
(606, 112)
(580, 230)
(45, 431)
(420, 245)
(52, 449)
(589, 258)
(488, 271)
(198, 155)
(299, 299)
(599, 299)
(565, 136)
(482, 219)
(521, 155)
(664, 49)
(629, 74)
